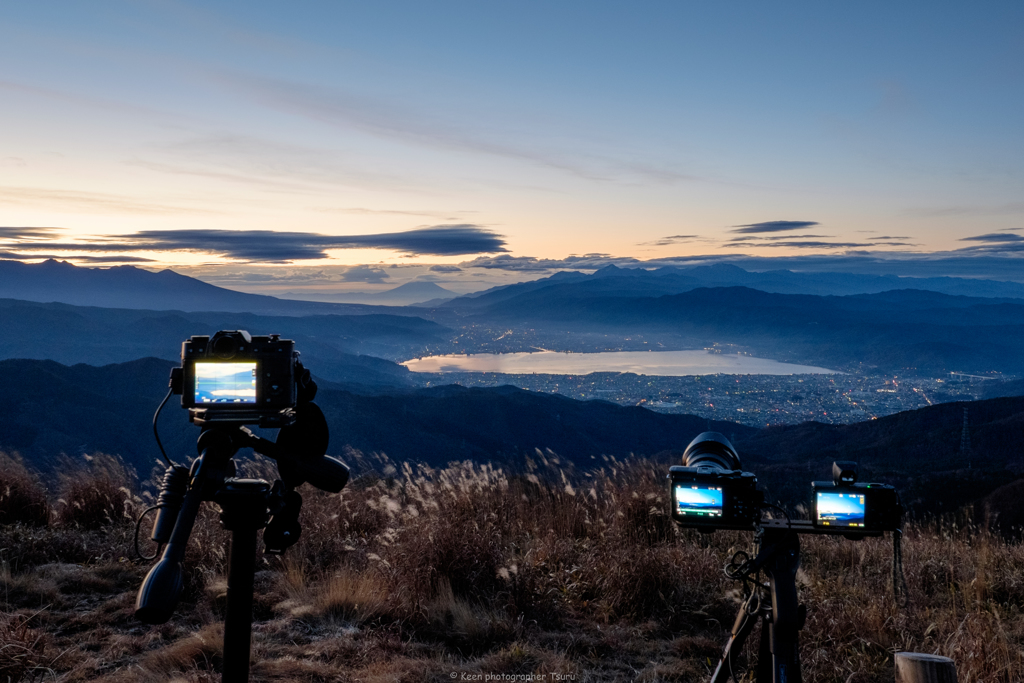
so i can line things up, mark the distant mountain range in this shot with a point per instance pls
(342, 348)
(131, 287)
(897, 331)
(902, 331)
(415, 293)
(50, 409)
(637, 282)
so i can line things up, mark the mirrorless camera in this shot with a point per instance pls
(237, 377)
(711, 491)
(845, 504)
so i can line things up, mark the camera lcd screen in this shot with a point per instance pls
(226, 382)
(841, 508)
(698, 500)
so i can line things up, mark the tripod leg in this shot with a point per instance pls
(740, 630)
(238, 619)
(244, 512)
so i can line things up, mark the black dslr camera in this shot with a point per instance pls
(711, 492)
(846, 505)
(236, 377)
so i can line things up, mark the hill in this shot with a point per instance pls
(342, 348)
(52, 409)
(56, 409)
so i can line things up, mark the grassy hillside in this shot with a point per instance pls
(432, 575)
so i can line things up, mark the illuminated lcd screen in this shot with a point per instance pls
(226, 382)
(841, 509)
(696, 500)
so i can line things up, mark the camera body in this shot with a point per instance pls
(712, 498)
(868, 508)
(237, 376)
(844, 504)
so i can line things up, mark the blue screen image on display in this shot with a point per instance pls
(698, 501)
(226, 382)
(841, 509)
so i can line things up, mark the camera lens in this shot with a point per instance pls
(225, 347)
(711, 449)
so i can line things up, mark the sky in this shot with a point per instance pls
(341, 146)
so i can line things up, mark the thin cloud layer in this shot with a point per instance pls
(671, 239)
(368, 274)
(996, 243)
(530, 264)
(772, 226)
(268, 246)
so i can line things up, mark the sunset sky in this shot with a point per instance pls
(267, 146)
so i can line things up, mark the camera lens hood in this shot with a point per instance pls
(711, 449)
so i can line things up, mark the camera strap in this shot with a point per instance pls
(899, 579)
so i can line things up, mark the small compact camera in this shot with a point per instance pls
(234, 376)
(845, 504)
(711, 491)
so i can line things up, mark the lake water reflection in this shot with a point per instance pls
(641, 362)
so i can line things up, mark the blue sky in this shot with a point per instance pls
(419, 134)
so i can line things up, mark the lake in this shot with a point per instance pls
(640, 362)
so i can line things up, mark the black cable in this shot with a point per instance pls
(157, 434)
(138, 523)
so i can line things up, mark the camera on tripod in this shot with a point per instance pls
(710, 491)
(226, 382)
(239, 378)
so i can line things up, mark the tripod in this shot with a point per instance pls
(247, 506)
(778, 658)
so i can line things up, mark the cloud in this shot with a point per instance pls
(394, 120)
(445, 269)
(995, 237)
(801, 244)
(268, 246)
(671, 239)
(442, 215)
(531, 264)
(17, 256)
(765, 238)
(9, 233)
(262, 277)
(772, 226)
(89, 202)
(995, 243)
(369, 274)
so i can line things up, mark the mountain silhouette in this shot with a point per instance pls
(131, 287)
(903, 331)
(342, 348)
(52, 409)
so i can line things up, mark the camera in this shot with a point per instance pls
(844, 504)
(711, 491)
(237, 377)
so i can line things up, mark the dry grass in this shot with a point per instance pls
(22, 497)
(411, 574)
